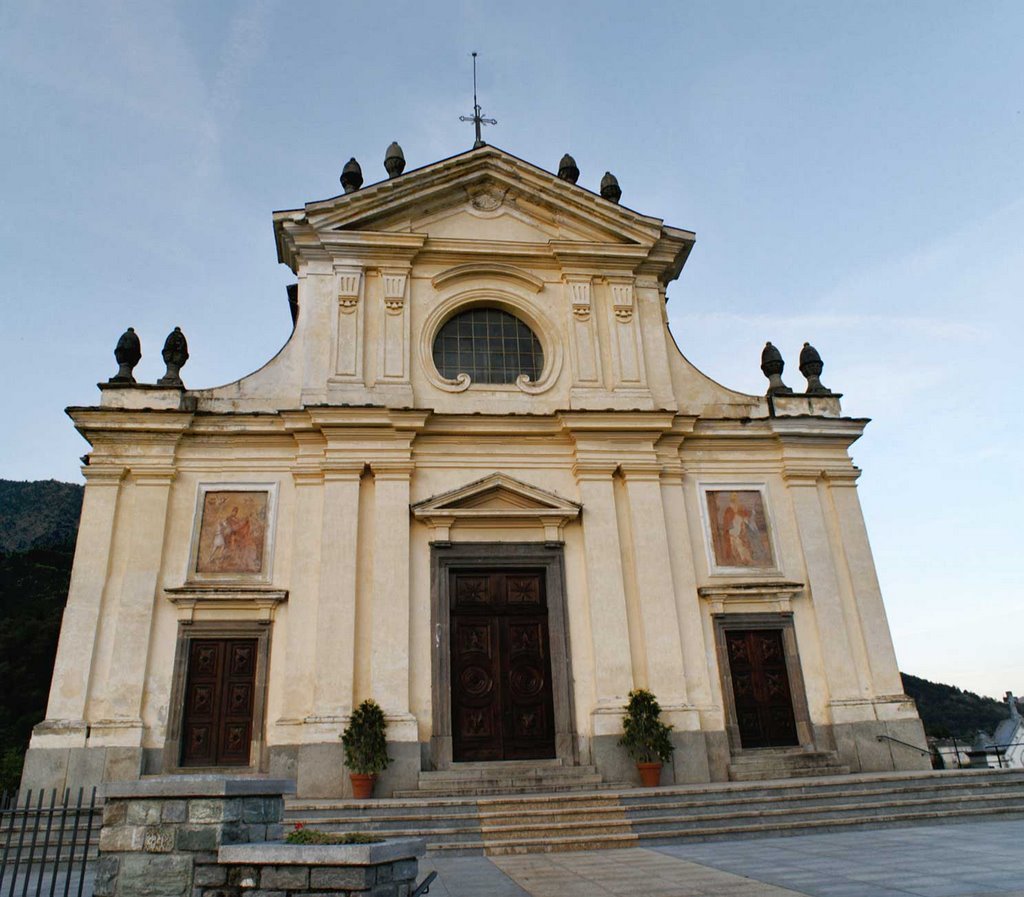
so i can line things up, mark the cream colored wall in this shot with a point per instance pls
(633, 564)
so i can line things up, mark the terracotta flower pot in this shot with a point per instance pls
(362, 784)
(650, 774)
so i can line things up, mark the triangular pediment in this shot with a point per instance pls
(497, 500)
(485, 193)
(499, 493)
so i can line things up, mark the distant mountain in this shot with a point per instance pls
(41, 514)
(38, 525)
(948, 711)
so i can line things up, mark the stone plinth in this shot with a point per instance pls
(387, 869)
(211, 836)
(157, 833)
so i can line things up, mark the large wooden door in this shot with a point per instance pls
(217, 724)
(760, 686)
(502, 706)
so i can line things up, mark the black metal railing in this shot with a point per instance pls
(48, 841)
(920, 750)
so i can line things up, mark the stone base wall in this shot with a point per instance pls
(387, 869)
(860, 746)
(319, 769)
(79, 767)
(211, 836)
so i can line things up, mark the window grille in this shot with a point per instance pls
(489, 345)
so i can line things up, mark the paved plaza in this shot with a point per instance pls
(969, 859)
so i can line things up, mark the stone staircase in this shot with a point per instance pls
(507, 777)
(622, 817)
(766, 764)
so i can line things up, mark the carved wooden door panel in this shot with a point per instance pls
(217, 722)
(502, 706)
(760, 685)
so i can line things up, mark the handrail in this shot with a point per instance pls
(904, 743)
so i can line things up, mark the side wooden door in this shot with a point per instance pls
(219, 689)
(760, 685)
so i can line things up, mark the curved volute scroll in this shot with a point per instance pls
(475, 270)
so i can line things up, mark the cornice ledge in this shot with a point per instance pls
(767, 590)
(810, 473)
(319, 416)
(850, 428)
(256, 602)
(213, 592)
(635, 421)
(129, 419)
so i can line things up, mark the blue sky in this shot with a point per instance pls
(853, 173)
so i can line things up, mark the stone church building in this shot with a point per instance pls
(481, 485)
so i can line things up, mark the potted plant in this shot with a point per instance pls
(366, 748)
(645, 736)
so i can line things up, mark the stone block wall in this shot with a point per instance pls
(212, 836)
(387, 869)
(156, 832)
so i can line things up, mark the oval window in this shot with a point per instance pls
(489, 345)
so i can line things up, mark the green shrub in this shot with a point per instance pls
(644, 735)
(365, 740)
(303, 835)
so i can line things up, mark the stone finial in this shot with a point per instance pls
(610, 188)
(772, 366)
(351, 176)
(127, 354)
(394, 160)
(568, 170)
(175, 355)
(810, 366)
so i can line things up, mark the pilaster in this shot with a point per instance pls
(657, 605)
(830, 616)
(586, 351)
(122, 694)
(348, 352)
(628, 371)
(613, 670)
(866, 593)
(73, 666)
(684, 578)
(298, 672)
(390, 649)
(336, 607)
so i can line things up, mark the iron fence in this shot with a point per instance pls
(48, 842)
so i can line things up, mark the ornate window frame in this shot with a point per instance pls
(507, 301)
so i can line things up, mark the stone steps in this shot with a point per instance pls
(617, 817)
(508, 777)
(769, 764)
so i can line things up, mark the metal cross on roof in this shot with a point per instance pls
(477, 117)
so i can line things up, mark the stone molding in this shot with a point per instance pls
(255, 603)
(524, 505)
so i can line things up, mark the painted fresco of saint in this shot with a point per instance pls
(739, 530)
(231, 537)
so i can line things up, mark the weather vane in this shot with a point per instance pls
(477, 117)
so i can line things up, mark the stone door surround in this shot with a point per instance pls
(779, 621)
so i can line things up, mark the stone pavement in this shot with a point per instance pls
(965, 859)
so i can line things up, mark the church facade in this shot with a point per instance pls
(481, 485)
